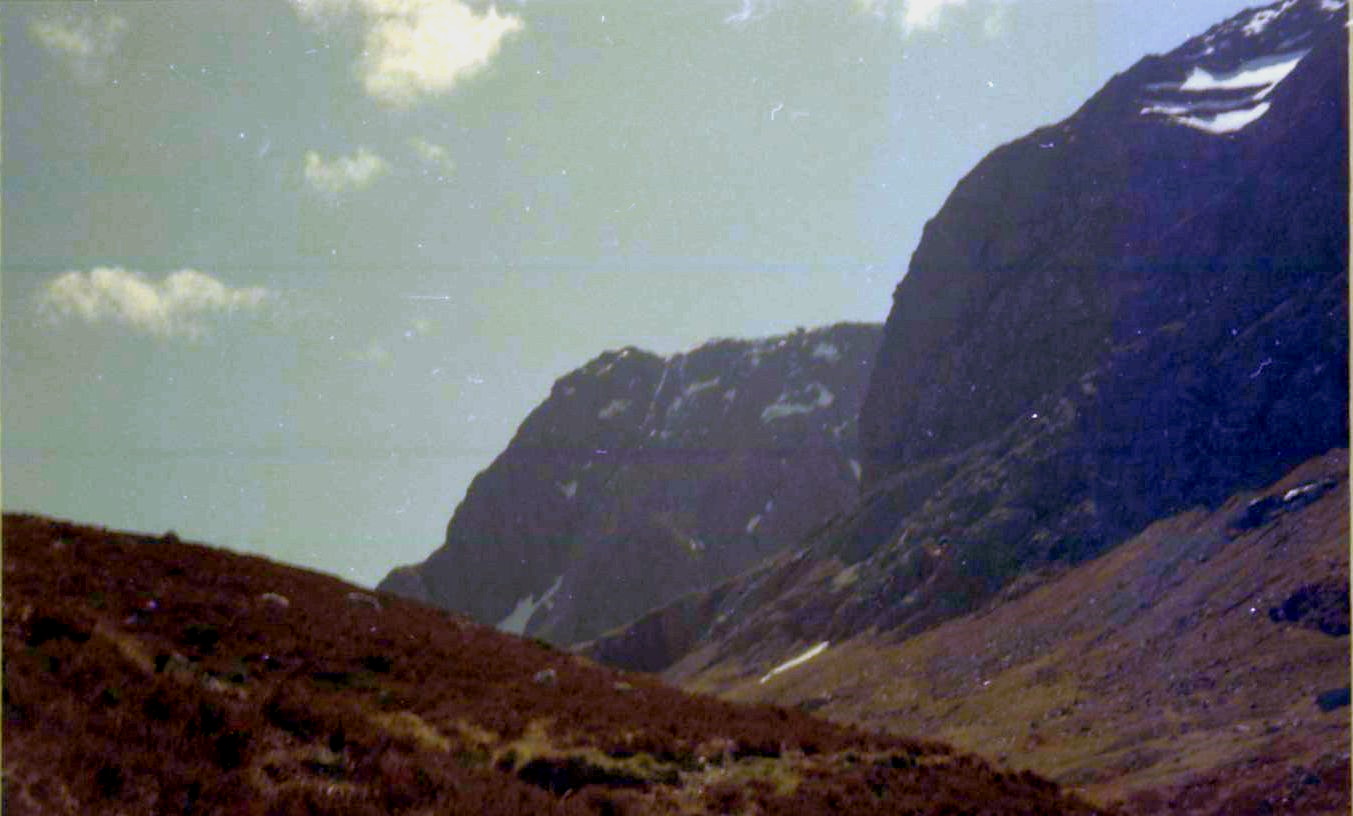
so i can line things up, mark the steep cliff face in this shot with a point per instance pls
(1200, 189)
(1138, 310)
(642, 478)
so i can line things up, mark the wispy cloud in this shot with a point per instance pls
(918, 16)
(344, 173)
(748, 10)
(175, 306)
(417, 48)
(84, 44)
(433, 153)
(923, 15)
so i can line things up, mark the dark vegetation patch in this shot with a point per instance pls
(1264, 509)
(211, 702)
(47, 628)
(1322, 606)
(1333, 699)
(564, 774)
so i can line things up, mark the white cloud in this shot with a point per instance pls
(174, 306)
(345, 172)
(915, 16)
(84, 44)
(924, 15)
(995, 24)
(433, 153)
(749, 10)
(417, 48)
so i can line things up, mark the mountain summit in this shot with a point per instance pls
(642, 478)
(1138, 310)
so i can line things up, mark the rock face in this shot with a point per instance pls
(1138, 310)
(1154, 231)
(641, 479)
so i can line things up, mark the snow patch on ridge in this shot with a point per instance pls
(1222, 115)
(796, 661)
(614, 408)
(1263, 18)
(696, 387)
(782, 407)
(1262, 74)
(827, 351)
(516, 620)
(1227, 122)
(569, 489)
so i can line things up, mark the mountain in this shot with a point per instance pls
(1141, 309)
(641, 478)
(1201, 667)
(148, 675)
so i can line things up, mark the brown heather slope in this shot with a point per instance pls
(145, 675)
(1179, 673)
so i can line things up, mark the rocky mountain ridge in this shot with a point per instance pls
(1135, 311)
(641, 478)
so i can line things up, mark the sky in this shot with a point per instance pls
(283, 276)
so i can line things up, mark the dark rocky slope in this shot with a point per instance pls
(1138, 310)
(641, 478)
(1201, 667)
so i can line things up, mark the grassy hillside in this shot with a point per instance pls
(147, 675)
(1201, 667)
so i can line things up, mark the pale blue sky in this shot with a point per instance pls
(283, 276)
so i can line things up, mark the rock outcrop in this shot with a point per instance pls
(1135, 311)
(642, 478)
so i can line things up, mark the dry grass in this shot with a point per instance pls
(1141, 677)
(146, 675)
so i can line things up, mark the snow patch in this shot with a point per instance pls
(614, 408)
(1228, 122)
(827, 351)
(1205, 106)
(782, 407)
(1332, 5)
(1222, 116)
(796, 661)
(752, 523)
(696, 387)
(730, 395)
(516, 620)
(1262, 19)
(856, 469)
(1262, 74)
(569, 489)
(757, 351)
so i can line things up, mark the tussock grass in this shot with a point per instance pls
(208, 701)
